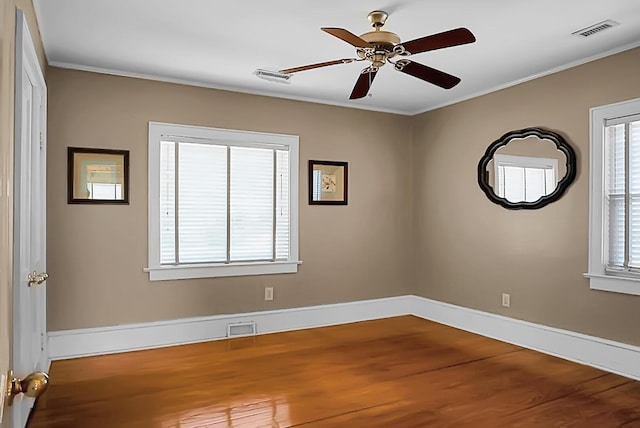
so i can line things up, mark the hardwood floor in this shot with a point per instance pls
(396, 372)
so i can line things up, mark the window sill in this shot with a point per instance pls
(165, 273)
(616, 284)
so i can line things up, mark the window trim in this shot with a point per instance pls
(599, 277)
(158, 272)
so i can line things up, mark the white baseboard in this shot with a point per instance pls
(614, 357)
(604, 354)
(67, 344)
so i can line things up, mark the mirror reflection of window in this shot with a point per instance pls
(103, 181)
(522, 178)
(104, 191)
(317, 185)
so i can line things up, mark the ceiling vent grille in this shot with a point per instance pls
(596, 28)
(273, 76)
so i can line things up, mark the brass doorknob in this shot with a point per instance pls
(35, 278)
(32, 386)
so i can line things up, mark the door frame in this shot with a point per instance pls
(26, 62)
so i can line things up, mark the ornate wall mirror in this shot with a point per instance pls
(527, 169)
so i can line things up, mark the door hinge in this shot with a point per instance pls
(42, 341)
(41, 142)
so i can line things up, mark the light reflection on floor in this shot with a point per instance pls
(272, 412)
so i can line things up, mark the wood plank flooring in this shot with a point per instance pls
(396, 372)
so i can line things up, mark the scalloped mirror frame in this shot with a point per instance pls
(543, 134)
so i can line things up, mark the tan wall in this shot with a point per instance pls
(7, 65)
(96, 253)
(470, 250)
(466, 250)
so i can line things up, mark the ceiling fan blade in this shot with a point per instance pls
(428, 74)
(318, 65)
(347, 36)
(363, 84)
(459, 36)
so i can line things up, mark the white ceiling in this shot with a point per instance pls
(220, 44)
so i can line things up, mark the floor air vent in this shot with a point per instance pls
(596, 28)
(241, 329)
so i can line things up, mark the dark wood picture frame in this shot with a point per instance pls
(110, 167)
(328, 182)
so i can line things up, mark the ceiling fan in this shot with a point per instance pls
(379, 47)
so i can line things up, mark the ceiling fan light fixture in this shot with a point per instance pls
(273, 76)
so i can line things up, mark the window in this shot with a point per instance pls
(614, 234)
(221, 202)
(523, 178)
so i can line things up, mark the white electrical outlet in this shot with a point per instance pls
(268, 293)
(506, 300)
(3, 389)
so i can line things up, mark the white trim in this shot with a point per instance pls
(158, 272)
(614, 357)
(163, 273)
(219, 134)
(531, 77)
(107, 340)
(599, 279)
(30, 130)
(209, 85)
(616, 284)
(601, 353)
(159, 78)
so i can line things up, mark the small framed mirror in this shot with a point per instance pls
(328, 182)
(97, 176)
(527, 168)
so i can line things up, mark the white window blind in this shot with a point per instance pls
(622, 192)
(222, 203)
(221, 199)
(282, 205)
(522, 178)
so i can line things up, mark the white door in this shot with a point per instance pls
(29, 316)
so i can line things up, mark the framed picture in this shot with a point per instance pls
(97, 176)
(328, 182)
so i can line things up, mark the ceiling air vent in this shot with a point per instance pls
(596, 28)
(273, 76)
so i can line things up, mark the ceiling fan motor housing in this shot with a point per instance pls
(382, 43)
(383, 38)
